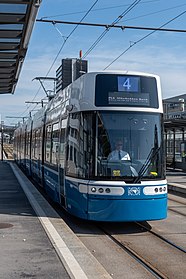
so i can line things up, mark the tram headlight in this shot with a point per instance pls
(107, 190)
(93, 189)
(156, 190)
(100, 190)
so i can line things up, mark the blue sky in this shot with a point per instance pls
(162, 53)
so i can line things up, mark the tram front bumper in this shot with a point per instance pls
(127, 210)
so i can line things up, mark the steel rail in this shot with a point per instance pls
(178, 212)
(154, 271)
(161, 237)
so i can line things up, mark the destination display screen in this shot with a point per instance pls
(128, 83)
(126, 90)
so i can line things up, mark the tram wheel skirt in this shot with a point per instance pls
(127, 210)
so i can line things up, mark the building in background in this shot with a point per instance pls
(175, 131)
(70, 70)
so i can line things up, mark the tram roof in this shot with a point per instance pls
(17, 18)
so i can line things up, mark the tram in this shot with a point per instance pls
(66, 147)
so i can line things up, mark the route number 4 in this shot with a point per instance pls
(127, 84)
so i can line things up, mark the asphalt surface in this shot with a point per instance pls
(26, 251)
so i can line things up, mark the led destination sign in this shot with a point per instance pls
(116, 98)
(128, 84)
(126, 90)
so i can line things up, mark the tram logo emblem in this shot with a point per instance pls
(134, 191)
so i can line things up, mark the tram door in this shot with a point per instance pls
(62, 160)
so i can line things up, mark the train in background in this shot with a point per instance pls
(66, 147)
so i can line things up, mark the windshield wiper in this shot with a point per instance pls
(153, 152)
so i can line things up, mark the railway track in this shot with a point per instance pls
(152, 231)
(154, 252)
(177, 211)
(138, 250)
(148, 266)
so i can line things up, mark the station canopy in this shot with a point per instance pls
(17, 18)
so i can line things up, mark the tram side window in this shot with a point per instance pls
(80, 145)
(16, 143)
(19, 143)
(55, 143)
(62, 143)
(104, 144)
(89, 144)
(48, 144)
(73, 144)
(38, 144)
(33, 143)
(27, 142)
(22, 142)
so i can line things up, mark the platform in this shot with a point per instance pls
(35, 242)
(176, 181)
(25, 250)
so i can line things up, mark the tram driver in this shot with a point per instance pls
(119, 154)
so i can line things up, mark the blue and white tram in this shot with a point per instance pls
(72, 137)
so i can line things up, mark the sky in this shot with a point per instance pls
(161, 53)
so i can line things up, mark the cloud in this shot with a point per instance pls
(170, 65)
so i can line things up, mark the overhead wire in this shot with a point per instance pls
(107, 29)
(95, 10)
(107, 26)
(143, 38)
(65, 40)
(153, 13)
(62, 46)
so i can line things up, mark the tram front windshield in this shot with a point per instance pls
(118, 146)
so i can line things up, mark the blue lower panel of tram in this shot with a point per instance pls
(51, 183)
(76, 202)
(127, 210)
(128, 203)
